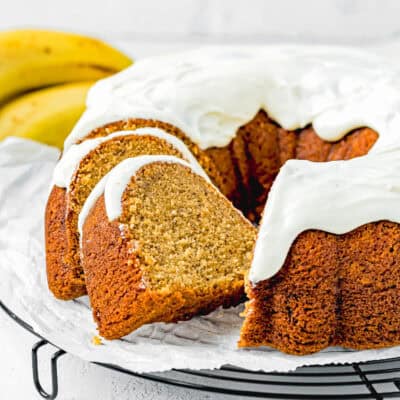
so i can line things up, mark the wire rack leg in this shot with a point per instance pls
(35, 370)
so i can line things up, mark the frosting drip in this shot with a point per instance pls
(71, 159)
(211, 92)
(335, 197)
(115, 182)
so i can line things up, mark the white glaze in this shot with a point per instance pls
(335, 197)
(115, 182)
(211, 92)
(71, 159)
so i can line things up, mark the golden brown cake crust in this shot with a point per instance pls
(253, 159)
(332, 290)
(63, 281)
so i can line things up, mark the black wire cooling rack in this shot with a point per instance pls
(370, 380)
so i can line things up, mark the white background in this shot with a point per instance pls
(149, 27)
(260, 20)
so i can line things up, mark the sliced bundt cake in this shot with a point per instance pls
(243, 113)
(310, 289)
(78, 171)
(160, 243)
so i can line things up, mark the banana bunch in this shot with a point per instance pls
(44, 79)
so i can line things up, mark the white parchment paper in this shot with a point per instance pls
(204, 342)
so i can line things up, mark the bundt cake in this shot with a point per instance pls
(253, 118)
(160, 243)
(78, 171)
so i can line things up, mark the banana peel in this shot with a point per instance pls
(31, 59)
(45, 115)
(44, 79)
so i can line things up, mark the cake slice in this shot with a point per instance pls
(160, 243)
(77, 173)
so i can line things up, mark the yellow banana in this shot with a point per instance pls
(45, 115)
(31, 59)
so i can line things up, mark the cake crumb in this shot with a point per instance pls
(96, 340)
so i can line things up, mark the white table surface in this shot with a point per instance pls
(78, 380)
(144, 28)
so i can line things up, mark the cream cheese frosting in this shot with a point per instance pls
(335, 197)
(72, 157)
(211, 92)
(115, 182)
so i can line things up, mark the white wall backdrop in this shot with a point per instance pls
(344, 21)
